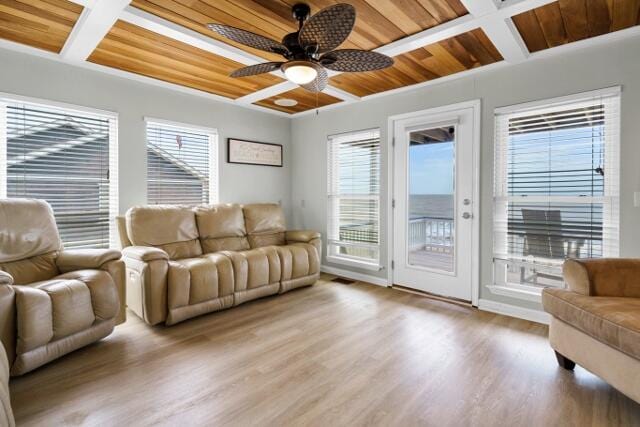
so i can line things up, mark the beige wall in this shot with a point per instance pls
(568, 73)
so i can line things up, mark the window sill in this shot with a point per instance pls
(527, 293)
(354, 263)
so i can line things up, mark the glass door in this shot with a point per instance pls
(434, 236)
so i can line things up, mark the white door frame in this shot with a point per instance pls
(475, 244)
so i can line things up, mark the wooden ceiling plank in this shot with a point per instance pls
(395, 15)
(599, 17)
(446, 59)
(552, 25)
(63, 9)
(529, 28)
(475, 48)
(440, 10)
(460, 53)
(195, 21)
(458, 7)
(574, 16)
(160, 71)
(487, 44)
(34, 14)
(625, 14)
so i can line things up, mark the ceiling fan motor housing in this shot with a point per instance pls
(301, 12)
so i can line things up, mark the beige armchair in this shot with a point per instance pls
(52, 301)
(6, 414)
(596, 321)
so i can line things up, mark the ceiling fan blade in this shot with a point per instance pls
(328, 28)
(253, 70)
(248, 38)
(320, 81)
(354, 60)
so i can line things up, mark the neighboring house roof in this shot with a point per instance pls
(81, 135)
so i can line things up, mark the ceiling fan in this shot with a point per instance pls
(311, 50)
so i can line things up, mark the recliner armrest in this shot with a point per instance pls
(5, 278)
(614, 277)
(80, 259)
(303, 236)
(144, 253)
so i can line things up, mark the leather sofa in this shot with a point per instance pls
(186, 261)
(596, 321)
(6, 413)
(52, 301)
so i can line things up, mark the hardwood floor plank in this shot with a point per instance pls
(326, 355)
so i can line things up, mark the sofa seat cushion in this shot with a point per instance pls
(255, 267)
(298, 260)
(195, 280)
(63, 306)
(614, 321)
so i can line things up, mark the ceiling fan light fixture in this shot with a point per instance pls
(299, 72)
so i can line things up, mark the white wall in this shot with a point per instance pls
(578, 71)
(50, 80)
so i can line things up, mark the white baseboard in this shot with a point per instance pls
(514, 311)
(380, 281)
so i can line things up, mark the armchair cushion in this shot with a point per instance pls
(34, 269)
(145, 253)
(611, 320)
(304, 236)
(80, 259)
(614, 277)
(27, 229)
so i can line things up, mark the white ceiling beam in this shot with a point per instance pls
(94, 23)
(510, 8)
(499, 28)
(340, 94)
(167, 28)
(432, 35)
(505, 37)
(267, 92)
(479, 8)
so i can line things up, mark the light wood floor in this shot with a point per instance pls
(328, 355)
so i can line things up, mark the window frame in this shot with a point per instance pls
(214, 154)
(610, 200)
(113, 169)
(333, 208)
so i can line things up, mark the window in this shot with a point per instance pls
(67, 157)
(354, 198)
(556, 190)
(181, 164)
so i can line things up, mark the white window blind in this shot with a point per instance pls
(181, 164)
(354, 196)
(556, 191)
(67, 157)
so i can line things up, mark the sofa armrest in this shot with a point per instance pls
(613, 277)
(81, 259)
(144, 253)
(303, 236)
(5, 278)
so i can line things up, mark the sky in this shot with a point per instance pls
(431, 168)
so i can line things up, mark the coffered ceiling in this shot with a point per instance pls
(166, 42)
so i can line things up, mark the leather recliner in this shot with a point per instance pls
(52, 301)
(6, 413)
(186, 261)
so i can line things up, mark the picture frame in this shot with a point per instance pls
(245, 152)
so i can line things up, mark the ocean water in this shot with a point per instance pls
(431, 205)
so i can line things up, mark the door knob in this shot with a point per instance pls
(466, 215)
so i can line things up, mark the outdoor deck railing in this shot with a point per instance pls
(431, 234)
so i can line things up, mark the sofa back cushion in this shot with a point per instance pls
(265, 224)
(221, 228)
(168, 227)
(27, 229)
